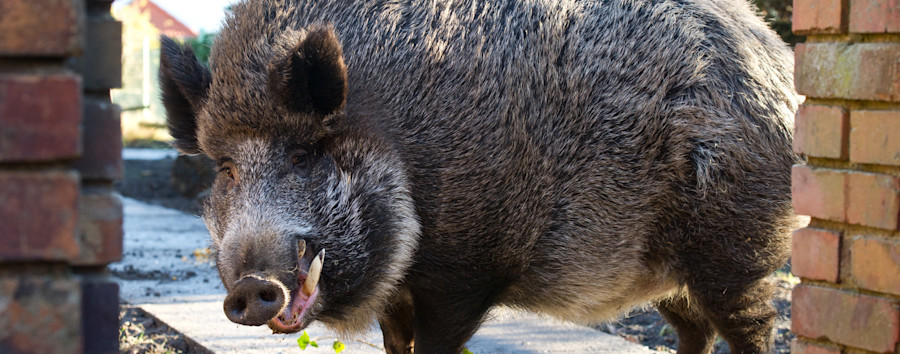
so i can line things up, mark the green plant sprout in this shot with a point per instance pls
(305, 341)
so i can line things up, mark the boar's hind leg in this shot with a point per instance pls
(397, 326)
(695, 333)
(742, 314)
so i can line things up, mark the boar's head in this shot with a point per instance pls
(310, 214)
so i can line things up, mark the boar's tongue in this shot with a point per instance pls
(303, 295)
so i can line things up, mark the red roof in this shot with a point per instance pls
(163, 21)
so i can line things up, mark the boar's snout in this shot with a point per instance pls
(254, 300)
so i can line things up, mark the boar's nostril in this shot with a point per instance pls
(240, 304)
(268, 295)
(253, 300)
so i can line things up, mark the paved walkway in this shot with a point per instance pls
(148, 154)
(165, 272)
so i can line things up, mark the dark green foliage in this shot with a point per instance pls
(201, 46)
(778, 15)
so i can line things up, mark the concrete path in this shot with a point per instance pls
(148, 154)
(165, 271)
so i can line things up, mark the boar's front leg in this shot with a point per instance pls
(397, 325)
(445, 320)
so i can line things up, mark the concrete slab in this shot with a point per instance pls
(165, 272)
(148, 154)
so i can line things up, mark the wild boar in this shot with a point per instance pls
(416, 163)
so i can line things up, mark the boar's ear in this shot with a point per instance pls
(312, 77)
(184, 83)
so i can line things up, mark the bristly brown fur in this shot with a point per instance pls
(574, 158)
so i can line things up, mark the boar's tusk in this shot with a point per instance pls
(301, 248)
(312, 278)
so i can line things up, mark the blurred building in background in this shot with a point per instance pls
(143, 116)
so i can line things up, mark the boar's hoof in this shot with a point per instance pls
(253, 300)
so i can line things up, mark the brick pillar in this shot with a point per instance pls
(849, 127)
(60, 150)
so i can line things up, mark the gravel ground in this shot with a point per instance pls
(151, 181)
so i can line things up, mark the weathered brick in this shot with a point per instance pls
(875, 264)
(102, 157)
(821, 131)
(39, 117)
(875, 16)
(40, 312)
(861, 71)
(41, 28)
(862, 321)
(818, 17)
(100, 316)
(803, 347)
(815, 254)
(875, 137)
(38, 215)
(101, 64)
(873, 200)
(820, 193)
(99, 229)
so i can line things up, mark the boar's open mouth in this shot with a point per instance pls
(304, 295)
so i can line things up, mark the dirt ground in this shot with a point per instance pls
(140, 333)
(151, 181)
(647, 327)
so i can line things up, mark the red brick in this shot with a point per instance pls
(99, 229)
(802, 347)
(821, 131)
(861, 71)
(41, 28)
(815, 254)
(40, 312)
(101, 64)
(862, 321)
(875, 137)
(39, 117)
(875, 264)
(38, 215)
(818, 16)
(102, 158)
(820, 193)
(873, 200)
(875, 16)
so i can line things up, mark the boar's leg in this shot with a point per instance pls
(445, 320)
(742, 314)
(695, 334)
(397, 326)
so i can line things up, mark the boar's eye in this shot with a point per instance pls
(300, 162)
(227, 172)
(227, 168)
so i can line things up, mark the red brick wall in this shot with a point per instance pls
(60, 150)
(849, 127)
